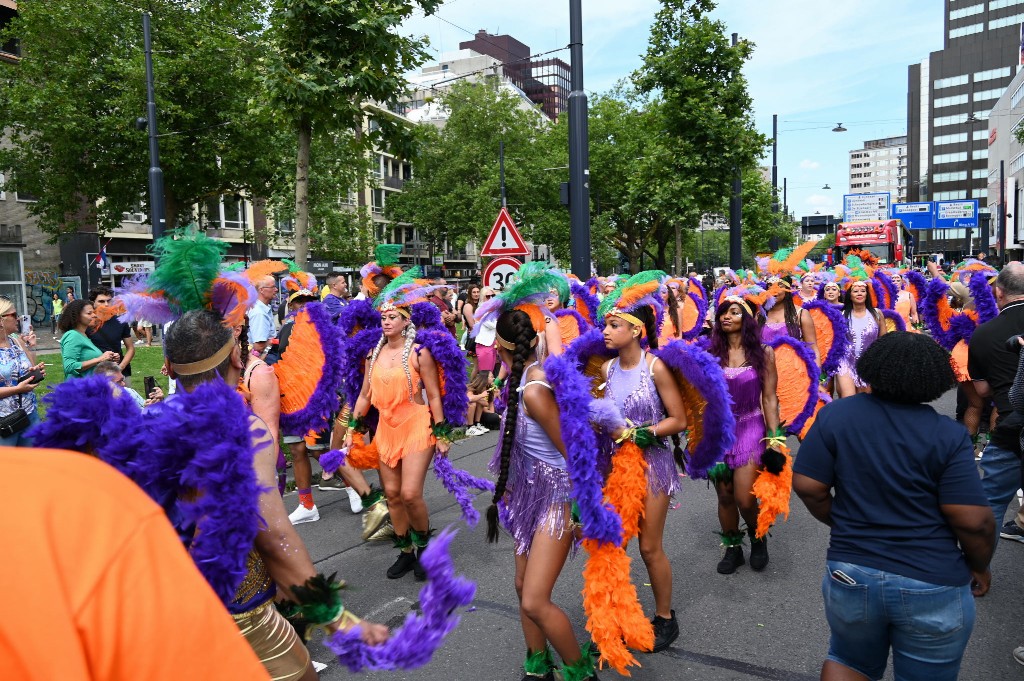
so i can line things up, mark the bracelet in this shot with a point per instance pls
(442, 432)
(777, 440)
(357, 423)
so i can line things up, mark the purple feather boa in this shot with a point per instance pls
(449, 357)
(459, 482)
(984, 299)
(840, 335)
(584, 297)
(572, 394)
(897, 319)
(702, 311)
(333, 460)
(885, 285)
(702, 371)
(353, 361)
(356, 316)
(138, 305)
(324, 400)
(425, 316)
(192, 442)
(605, 414)
(804, 352)
(936, 291)
(414, 643)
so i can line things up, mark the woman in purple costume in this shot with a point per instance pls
(751, 376)
(533, 500)
(646, 393)
(866, 324)
(784, 318)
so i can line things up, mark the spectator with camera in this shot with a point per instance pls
(20, 375)
(992, 365)
(109, 333)
(113, 372)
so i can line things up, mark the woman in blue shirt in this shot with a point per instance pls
(17, 358)
(912, 532)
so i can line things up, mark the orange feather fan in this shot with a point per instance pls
(792, 260)
(264, 268)
(634, 294)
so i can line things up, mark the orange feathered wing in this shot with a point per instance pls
(795, 258)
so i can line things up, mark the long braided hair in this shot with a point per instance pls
(410, 339)
(515, 327)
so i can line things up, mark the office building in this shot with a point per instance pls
(950, 94)
(1005, 193)
(880, 166)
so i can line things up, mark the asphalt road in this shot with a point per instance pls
(768, 625)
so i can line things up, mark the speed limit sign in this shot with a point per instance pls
(499, 271)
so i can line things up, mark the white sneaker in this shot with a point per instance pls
(304, 515)
(138, 342)
(481, 429)
(471, 431)
(354, 500)
(318, 666)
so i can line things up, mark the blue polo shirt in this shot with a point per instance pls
(890, 467)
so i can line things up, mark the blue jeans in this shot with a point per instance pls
(1000, 478)
(926, 625)
(21, 439)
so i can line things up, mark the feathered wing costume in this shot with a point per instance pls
(615, 618)
(831, 332)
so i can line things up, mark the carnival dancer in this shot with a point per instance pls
(648, 397)
(751, 376)
(410, 429)
(832, 292)
(534, 495)
(905, 305)
(783, 318)
(866, 324)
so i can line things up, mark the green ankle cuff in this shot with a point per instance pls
(372, 497)
(731, 538)
(420, 539)
(539, 663)
(582, 669)
(403, 541)
(720, 473)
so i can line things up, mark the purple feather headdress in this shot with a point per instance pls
(459, 484)
(140, 304)
(414, 643)
(703, 372)
(840, 334)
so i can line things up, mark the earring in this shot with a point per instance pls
(405, 332)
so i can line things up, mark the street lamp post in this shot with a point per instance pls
(579, 152)
(156, 175)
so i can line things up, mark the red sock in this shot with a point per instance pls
(306, 498)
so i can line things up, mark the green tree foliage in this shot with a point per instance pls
(330, 59)
(455, 192)
(69, 108)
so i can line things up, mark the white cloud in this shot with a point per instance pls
(808, 164)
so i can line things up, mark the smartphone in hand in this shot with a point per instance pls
(24, 325)
(149, 385)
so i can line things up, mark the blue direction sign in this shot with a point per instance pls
(954, 214)
(920, 215)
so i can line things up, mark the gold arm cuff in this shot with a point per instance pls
(193, 368)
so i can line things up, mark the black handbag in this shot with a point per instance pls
(15, 422)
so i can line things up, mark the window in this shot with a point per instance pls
(949, 177)
(12, 278)
(950, 101)
(999, 4)
(980, 135)
(966, 30)
(995, 93)
(952, 81)
(234, 212)
(377, 204)
(956, 119)
(378, 170)
(966, 11)
(3, 194)
(992, 74)
(949, 158)
(979, 174)
(949, 139)
(1018, 94)
(1017, 163)
(949, 196)
(285, 225)
(1005, 21)
(980, 153)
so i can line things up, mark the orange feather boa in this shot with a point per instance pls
(772, 491)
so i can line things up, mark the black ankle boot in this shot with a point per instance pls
(406, 559)
(665, 632)
(758, 552)
(731, 561)
(419, 543)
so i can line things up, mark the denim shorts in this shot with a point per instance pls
(926, 625)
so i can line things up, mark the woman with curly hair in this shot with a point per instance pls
(752, 378)
(533, 500)
(397, 373)
(647, 395)
(79, 354)
(866, 325)
(911, 529)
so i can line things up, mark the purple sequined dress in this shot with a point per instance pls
(637, 398)
(745, 391)
(863, 332)
(771, 330)
(538, 494)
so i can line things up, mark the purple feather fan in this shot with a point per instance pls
(353, 361)
(840, 335)
(984, 299)
(605, 414)
(572, 394)
(702, 311)
(806, 355)
(459, 482)
(357, 316)
(449, 358)
(702, 371)
(897, 319)
(885, 285)
(324, 400)
(414, 643)
(140, 305)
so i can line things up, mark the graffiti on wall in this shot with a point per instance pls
(39, 289)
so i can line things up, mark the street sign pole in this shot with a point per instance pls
(579, 153)
(156, 175)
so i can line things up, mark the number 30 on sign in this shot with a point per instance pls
(499, 271)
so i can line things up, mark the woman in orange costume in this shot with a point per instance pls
(906, 306)
(397, 373)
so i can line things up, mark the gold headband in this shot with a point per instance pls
(739, 301)
(204, 365)
(625, 316)
(390, 307)
(511, 346)
(781, 283)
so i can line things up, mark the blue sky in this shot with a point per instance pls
(814, 65)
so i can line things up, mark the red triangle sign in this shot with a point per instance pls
(504, 238)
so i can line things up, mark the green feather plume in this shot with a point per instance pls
(637, 279)
(387, 254)
(562, 286)
(533, 279)
(407, 277)
(234, 267)
(781, 254)
(292, 266)
(188, 262)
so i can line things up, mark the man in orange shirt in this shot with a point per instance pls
(100, 586)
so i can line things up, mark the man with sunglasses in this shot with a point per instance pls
(261, 317)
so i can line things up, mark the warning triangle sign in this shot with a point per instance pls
(504, 238)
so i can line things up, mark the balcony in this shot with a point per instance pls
(394, 182)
